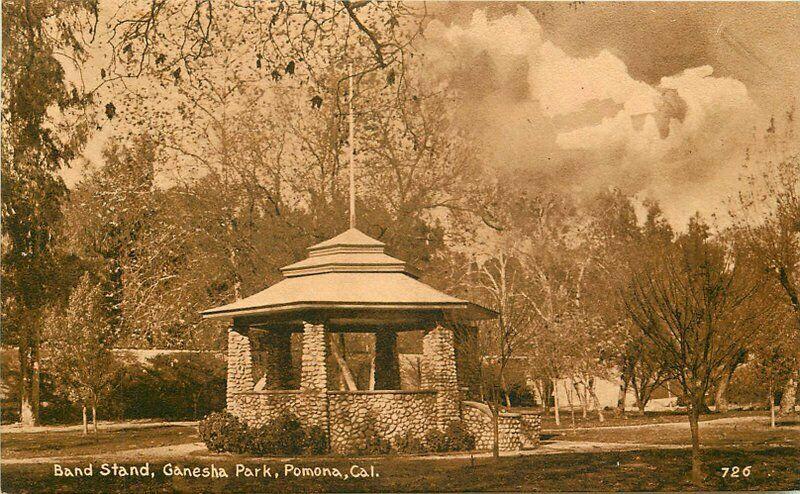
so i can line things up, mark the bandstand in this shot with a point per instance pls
(349, 284)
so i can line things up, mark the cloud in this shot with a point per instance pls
(584, 124)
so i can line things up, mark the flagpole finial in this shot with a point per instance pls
(351, 145)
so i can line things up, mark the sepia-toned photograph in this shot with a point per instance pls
(290, 246)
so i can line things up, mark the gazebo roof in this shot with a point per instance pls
(350, 274)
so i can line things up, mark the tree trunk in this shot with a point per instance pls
(694, 425)
(571, 404)
(85, 422)
(720, 397)
(495, 431)
(640, 403)
(584, 403)
(344, 369)
(504, 387)
(600, 416)
(771, 398)
(26, 415)
(555, 403)
(36, 372)
(537, 387)
(94, 418)
(789, 397)
(581, 398)
(623, 394)
(720, 401)
(545, 397)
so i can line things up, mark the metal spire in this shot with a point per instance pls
(351, 142)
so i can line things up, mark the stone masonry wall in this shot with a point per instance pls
(310, 403)
(439, 373)
(349, 416)
(313, 406)
(240, 370)
(478, 420)
(261, 408)
(389, 413)
(530, 429)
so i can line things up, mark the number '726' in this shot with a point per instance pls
(735, 472)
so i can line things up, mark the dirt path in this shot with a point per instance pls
(102, 425)
(140, 454)
(198, 451)
(678, 425)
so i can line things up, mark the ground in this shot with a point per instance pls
(74, 443)
(631, 457)
(635, 418)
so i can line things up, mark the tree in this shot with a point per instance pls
(109, 213)
(140, 247)
(43, 129)
(695, 306)
(767, 218)
(501, 277)
(621, 244)
(257, 130)
(285, 36)
(78, 351)
(774, 355)
(645, 372)
(589, 350)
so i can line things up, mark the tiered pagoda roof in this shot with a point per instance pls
(352, 279)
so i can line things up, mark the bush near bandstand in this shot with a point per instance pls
(455, 437)
(222, 432)
(409, 443)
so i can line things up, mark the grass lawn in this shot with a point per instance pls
(772, 454)
(653, 470)
(72, 443)
(748, 434)
(634, 418)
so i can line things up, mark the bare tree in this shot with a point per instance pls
(767, 217)
(501, 277)
(696, 308)
(645, 372)
(775, 356)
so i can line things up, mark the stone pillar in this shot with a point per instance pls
(387, 364)
(274, 364)
(313, 409)
(439, 373)
(240, 364)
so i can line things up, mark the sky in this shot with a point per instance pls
(665, 101)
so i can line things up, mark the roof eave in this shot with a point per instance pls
(456, 309)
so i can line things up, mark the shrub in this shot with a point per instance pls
(317, 441)
(459, 437)
(455, 437)
(374, 443)
(409, 443)
(222, 432)
(291, 438)
(436, 441)
(183, 386)
(262, 441)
